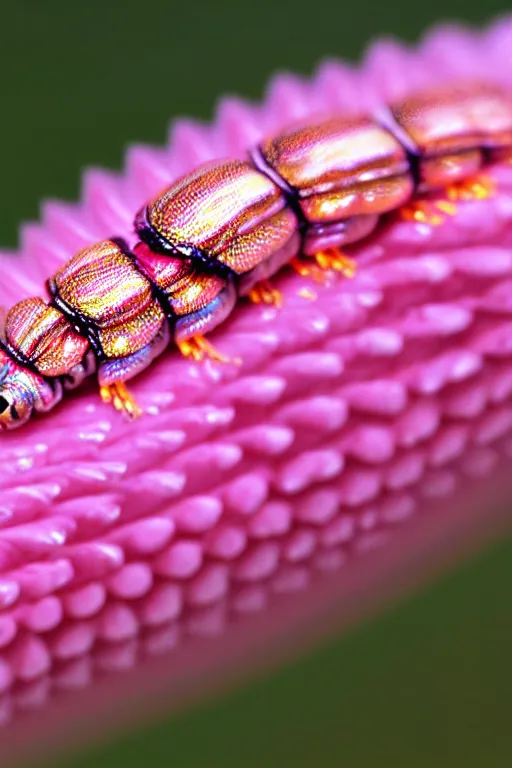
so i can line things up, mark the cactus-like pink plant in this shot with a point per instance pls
(359, 404)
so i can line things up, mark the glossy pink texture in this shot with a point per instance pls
(355, 402)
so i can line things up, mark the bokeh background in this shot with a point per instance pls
(428, 681)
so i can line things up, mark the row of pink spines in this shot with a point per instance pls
(354, 305)
(388, 71)
(365, 336)
(142, 613)
(475, 265)
(63, 641)
(269, 344)
(36, 527)
(96, 533)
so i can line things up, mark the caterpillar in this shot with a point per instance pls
(220, 232)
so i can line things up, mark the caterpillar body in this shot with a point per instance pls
(218, 233)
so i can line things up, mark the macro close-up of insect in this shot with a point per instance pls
(221, 232)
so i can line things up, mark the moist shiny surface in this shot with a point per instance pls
(186, 286)
(465, 116)
(104, 286)
(229, 210)
(333, 153)
(102, 283)
(341, 167)
(45, 337)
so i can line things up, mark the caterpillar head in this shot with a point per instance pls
(21, 392)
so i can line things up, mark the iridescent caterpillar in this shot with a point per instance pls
(222, 231)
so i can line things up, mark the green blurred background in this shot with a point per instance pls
(427, 682)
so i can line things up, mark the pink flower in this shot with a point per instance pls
(359, 405)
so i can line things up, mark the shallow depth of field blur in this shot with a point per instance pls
(428, 680)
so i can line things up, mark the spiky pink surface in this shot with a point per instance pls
(350, 409)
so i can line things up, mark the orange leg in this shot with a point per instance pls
(324, 263)
(264, 293)
(335, 260)
(116, 394)
(427, 212)
(477, 188)
(198, 348)
(434, 211)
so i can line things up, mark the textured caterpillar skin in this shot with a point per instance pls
(215, 233)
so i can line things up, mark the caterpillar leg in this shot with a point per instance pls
(434, 211)
(478, 187)
(264, 293)
(323, 263)
(336, 261)
(113, 374)
(199, 348)
(428, 211)
(190, 329)
(117, 394)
